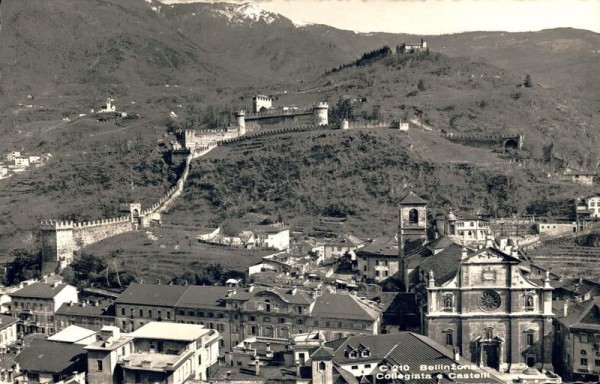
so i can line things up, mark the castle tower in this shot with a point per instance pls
(412, 228)
(241, 122)
(423, 44)
(344, 124)
(57, 242)
(322, 366)
(320, 113)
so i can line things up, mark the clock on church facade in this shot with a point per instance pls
(486, 307)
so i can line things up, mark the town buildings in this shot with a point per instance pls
(467, 228)
(92, 316)
(35, 305)
(156, 352)
(378, 259)
(8, 332)
(577, 341)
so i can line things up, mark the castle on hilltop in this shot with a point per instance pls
(412, 47)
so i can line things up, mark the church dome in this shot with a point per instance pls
(451, 216)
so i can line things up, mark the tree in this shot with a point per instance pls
(528, 83)
(25, 265)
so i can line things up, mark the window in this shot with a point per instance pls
(99, 365)
(321, 366)
(529, 339)
(141, 313)
(354, 367)
(316, 323)
(365, 268)
(149, 313)
(267, 305)
(253, 330)
(252, 318)
(489, 333)
(583, 338)
(413, 216)
(122, 311)
(328, 323)
(267, 319)
(597, 363)
(299, 321)
(367, 365)
(281, 320)
(169, 315)
(300, 309)
(472, 224)
(340, 324)
(583, 362)
(199, 359)
(449, 338)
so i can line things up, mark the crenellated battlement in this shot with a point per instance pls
(56, 224)
(321, 104)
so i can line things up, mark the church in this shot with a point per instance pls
(484, 303)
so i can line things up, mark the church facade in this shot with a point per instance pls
(490, 312)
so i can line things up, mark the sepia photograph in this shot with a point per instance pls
(299, 191)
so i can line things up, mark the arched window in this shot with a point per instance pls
(583, 352)
(413, 216)
(267, 305)
(321, 366)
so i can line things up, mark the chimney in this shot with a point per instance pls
(456, 354)
(96, 303)
(55, 284)
(566, 308)
(580, 279)
(71, 303)
(464, 254)
(257, 365)
(228, 293)
(83, 304)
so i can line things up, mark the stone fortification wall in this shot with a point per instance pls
(198, 139)
(61, 238)
(274, 113)
(486, 141)
(274, 132)
(358, 125)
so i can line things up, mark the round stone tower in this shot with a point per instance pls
(241, 122)
(320, 111)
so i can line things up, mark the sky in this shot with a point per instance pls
(434, 17)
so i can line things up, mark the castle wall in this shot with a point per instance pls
(486, 141)
(90, 233)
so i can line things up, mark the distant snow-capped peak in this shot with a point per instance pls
(246, 12)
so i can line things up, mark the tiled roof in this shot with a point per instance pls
(443, 264)
(151, 294)
(584, 315)
(343, 306)
(412, 199)
(416, 350)
(82, 309)
(397, 303)
(323, 353)
(341, 376)
(198, 296)
(39, 291)
(52, 357)
(7, 321)
(378, 345)
(293, 296)
(382, 246)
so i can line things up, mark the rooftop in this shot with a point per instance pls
(148, 361)
(382, 246)
(344, 306)
(72, 334)
(412, 199)
(151, 294)
(170, 331)
(584, 315)
(7, 321)
(40, 290)
(52, 357)
(85, 309)
(289, 295)
(197, 296)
